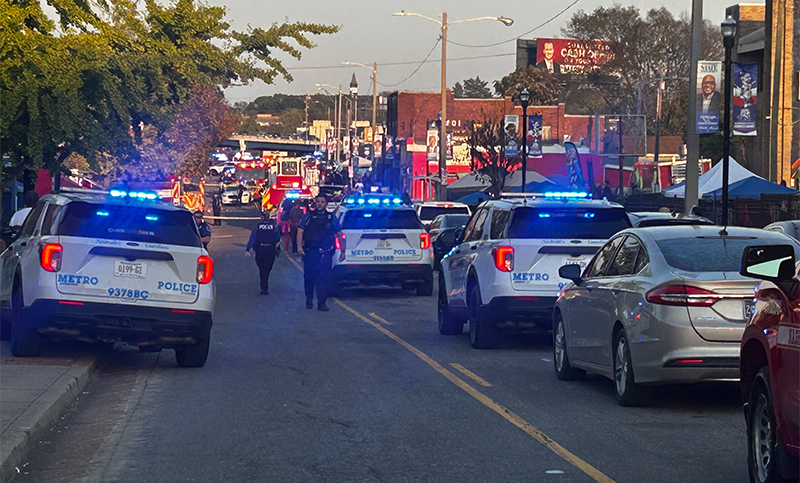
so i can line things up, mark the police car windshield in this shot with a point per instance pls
(573, 223)
(431, 212)
(381, 220)
(131, 223)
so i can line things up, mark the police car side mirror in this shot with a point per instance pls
(448, 237)
(570, 272)
(459, 234)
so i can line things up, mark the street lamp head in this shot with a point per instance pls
(728, 28)
(506, 21)
(524, 98)
(401, 13)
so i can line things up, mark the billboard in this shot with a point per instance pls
(511, 136)
(744, 99)
(570, 56)
(709, 98)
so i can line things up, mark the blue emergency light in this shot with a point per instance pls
(101, 213)
(372, 200)
(292, 195)
(566, 195)
(134, 195)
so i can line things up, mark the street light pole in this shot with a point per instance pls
(524, 98)
(728, 35)
(661, 87)
(443, 133)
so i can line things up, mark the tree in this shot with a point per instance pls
(291, 119)
(651, 47)
(472, 89)
(487, 159)
(112, 68)
(542, 86)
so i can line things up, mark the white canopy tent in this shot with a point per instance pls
(711, 180)
(470, 181)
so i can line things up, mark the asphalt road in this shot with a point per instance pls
(370, 391)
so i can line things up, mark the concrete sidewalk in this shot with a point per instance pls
(34, 393)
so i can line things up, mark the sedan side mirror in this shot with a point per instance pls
(775, 263)
(448, 238)
(459, 234)
(570, 272)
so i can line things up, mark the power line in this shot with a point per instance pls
(520, 36)
(389, 64)
(418, 67)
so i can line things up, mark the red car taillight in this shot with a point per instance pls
(205, 269)
(424, 240)
(683, 296)
(504, 258)
(337, 243)
(51, 257)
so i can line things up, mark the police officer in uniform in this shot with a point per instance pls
(264, 241)
(316, 234)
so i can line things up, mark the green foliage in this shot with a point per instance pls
(472, 89)
(112, 68)
(543, 87)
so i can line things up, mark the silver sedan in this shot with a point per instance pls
(658, 305)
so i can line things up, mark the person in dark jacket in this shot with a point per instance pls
(203, 227)
(264, 240)
(316, 235)
(295, 215)
(216, 208)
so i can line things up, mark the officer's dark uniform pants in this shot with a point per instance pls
(316, 273)
(265, 258)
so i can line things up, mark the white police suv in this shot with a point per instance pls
(117, 266)
(503, 273)
(386, 245)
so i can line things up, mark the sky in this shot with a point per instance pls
(370, 33)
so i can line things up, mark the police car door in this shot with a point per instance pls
(459, 261)
(22, 252)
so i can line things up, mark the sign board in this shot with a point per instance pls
(511, 136)
(744, 99)
(709, 98)
(572, 56)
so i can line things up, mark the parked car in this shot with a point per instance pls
(769, 365)
(658, 305)
(641, 219)
(231, 195)
(429, 210)
(791, 228)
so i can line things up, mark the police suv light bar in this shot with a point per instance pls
(550, 195)
(372, 200)
(134, 195)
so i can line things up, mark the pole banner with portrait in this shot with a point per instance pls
(433, 144)
(744, 99)
(534, 137)
(511, 130)
(709, 98)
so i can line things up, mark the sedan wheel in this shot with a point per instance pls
(564, 371)
(628, 393)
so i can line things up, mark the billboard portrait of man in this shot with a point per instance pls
(548, 63)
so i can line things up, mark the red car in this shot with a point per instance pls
(769, 365)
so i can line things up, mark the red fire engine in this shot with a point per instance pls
(289, 178)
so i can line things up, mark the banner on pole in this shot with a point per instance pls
(433, 144)
(533, 137)
(574, 166)
(511, 135)
(709, 99)
(744, 99)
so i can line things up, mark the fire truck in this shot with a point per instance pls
(289, 178)
(189, 193)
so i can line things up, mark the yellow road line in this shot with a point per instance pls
(383, 321)
(470, 374)
(514, 419)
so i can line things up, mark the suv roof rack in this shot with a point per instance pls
(69, 189)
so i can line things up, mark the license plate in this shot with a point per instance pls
(749, 308)
(383, 245)
(575, 261)
(130, 270)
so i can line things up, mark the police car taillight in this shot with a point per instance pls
(337, 243)
(205, 269)
(424, 240)
(51, 257)
(504, 258)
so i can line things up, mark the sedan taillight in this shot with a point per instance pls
(504, 258)
(682, 296)
(51, 257)
(205, 269)
(424, 240)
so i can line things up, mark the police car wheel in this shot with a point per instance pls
(448, 325)
(24, 342)
(425, 289)
(482, 335)
(5, 325)
(194, 355)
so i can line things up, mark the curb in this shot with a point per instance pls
(32, 425)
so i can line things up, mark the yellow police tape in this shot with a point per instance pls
(232, 217)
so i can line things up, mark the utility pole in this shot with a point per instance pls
(443, 134)
(374, 102)
(692, 138)
(661, 87)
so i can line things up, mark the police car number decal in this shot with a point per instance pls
(383, 258)
(127, 293)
